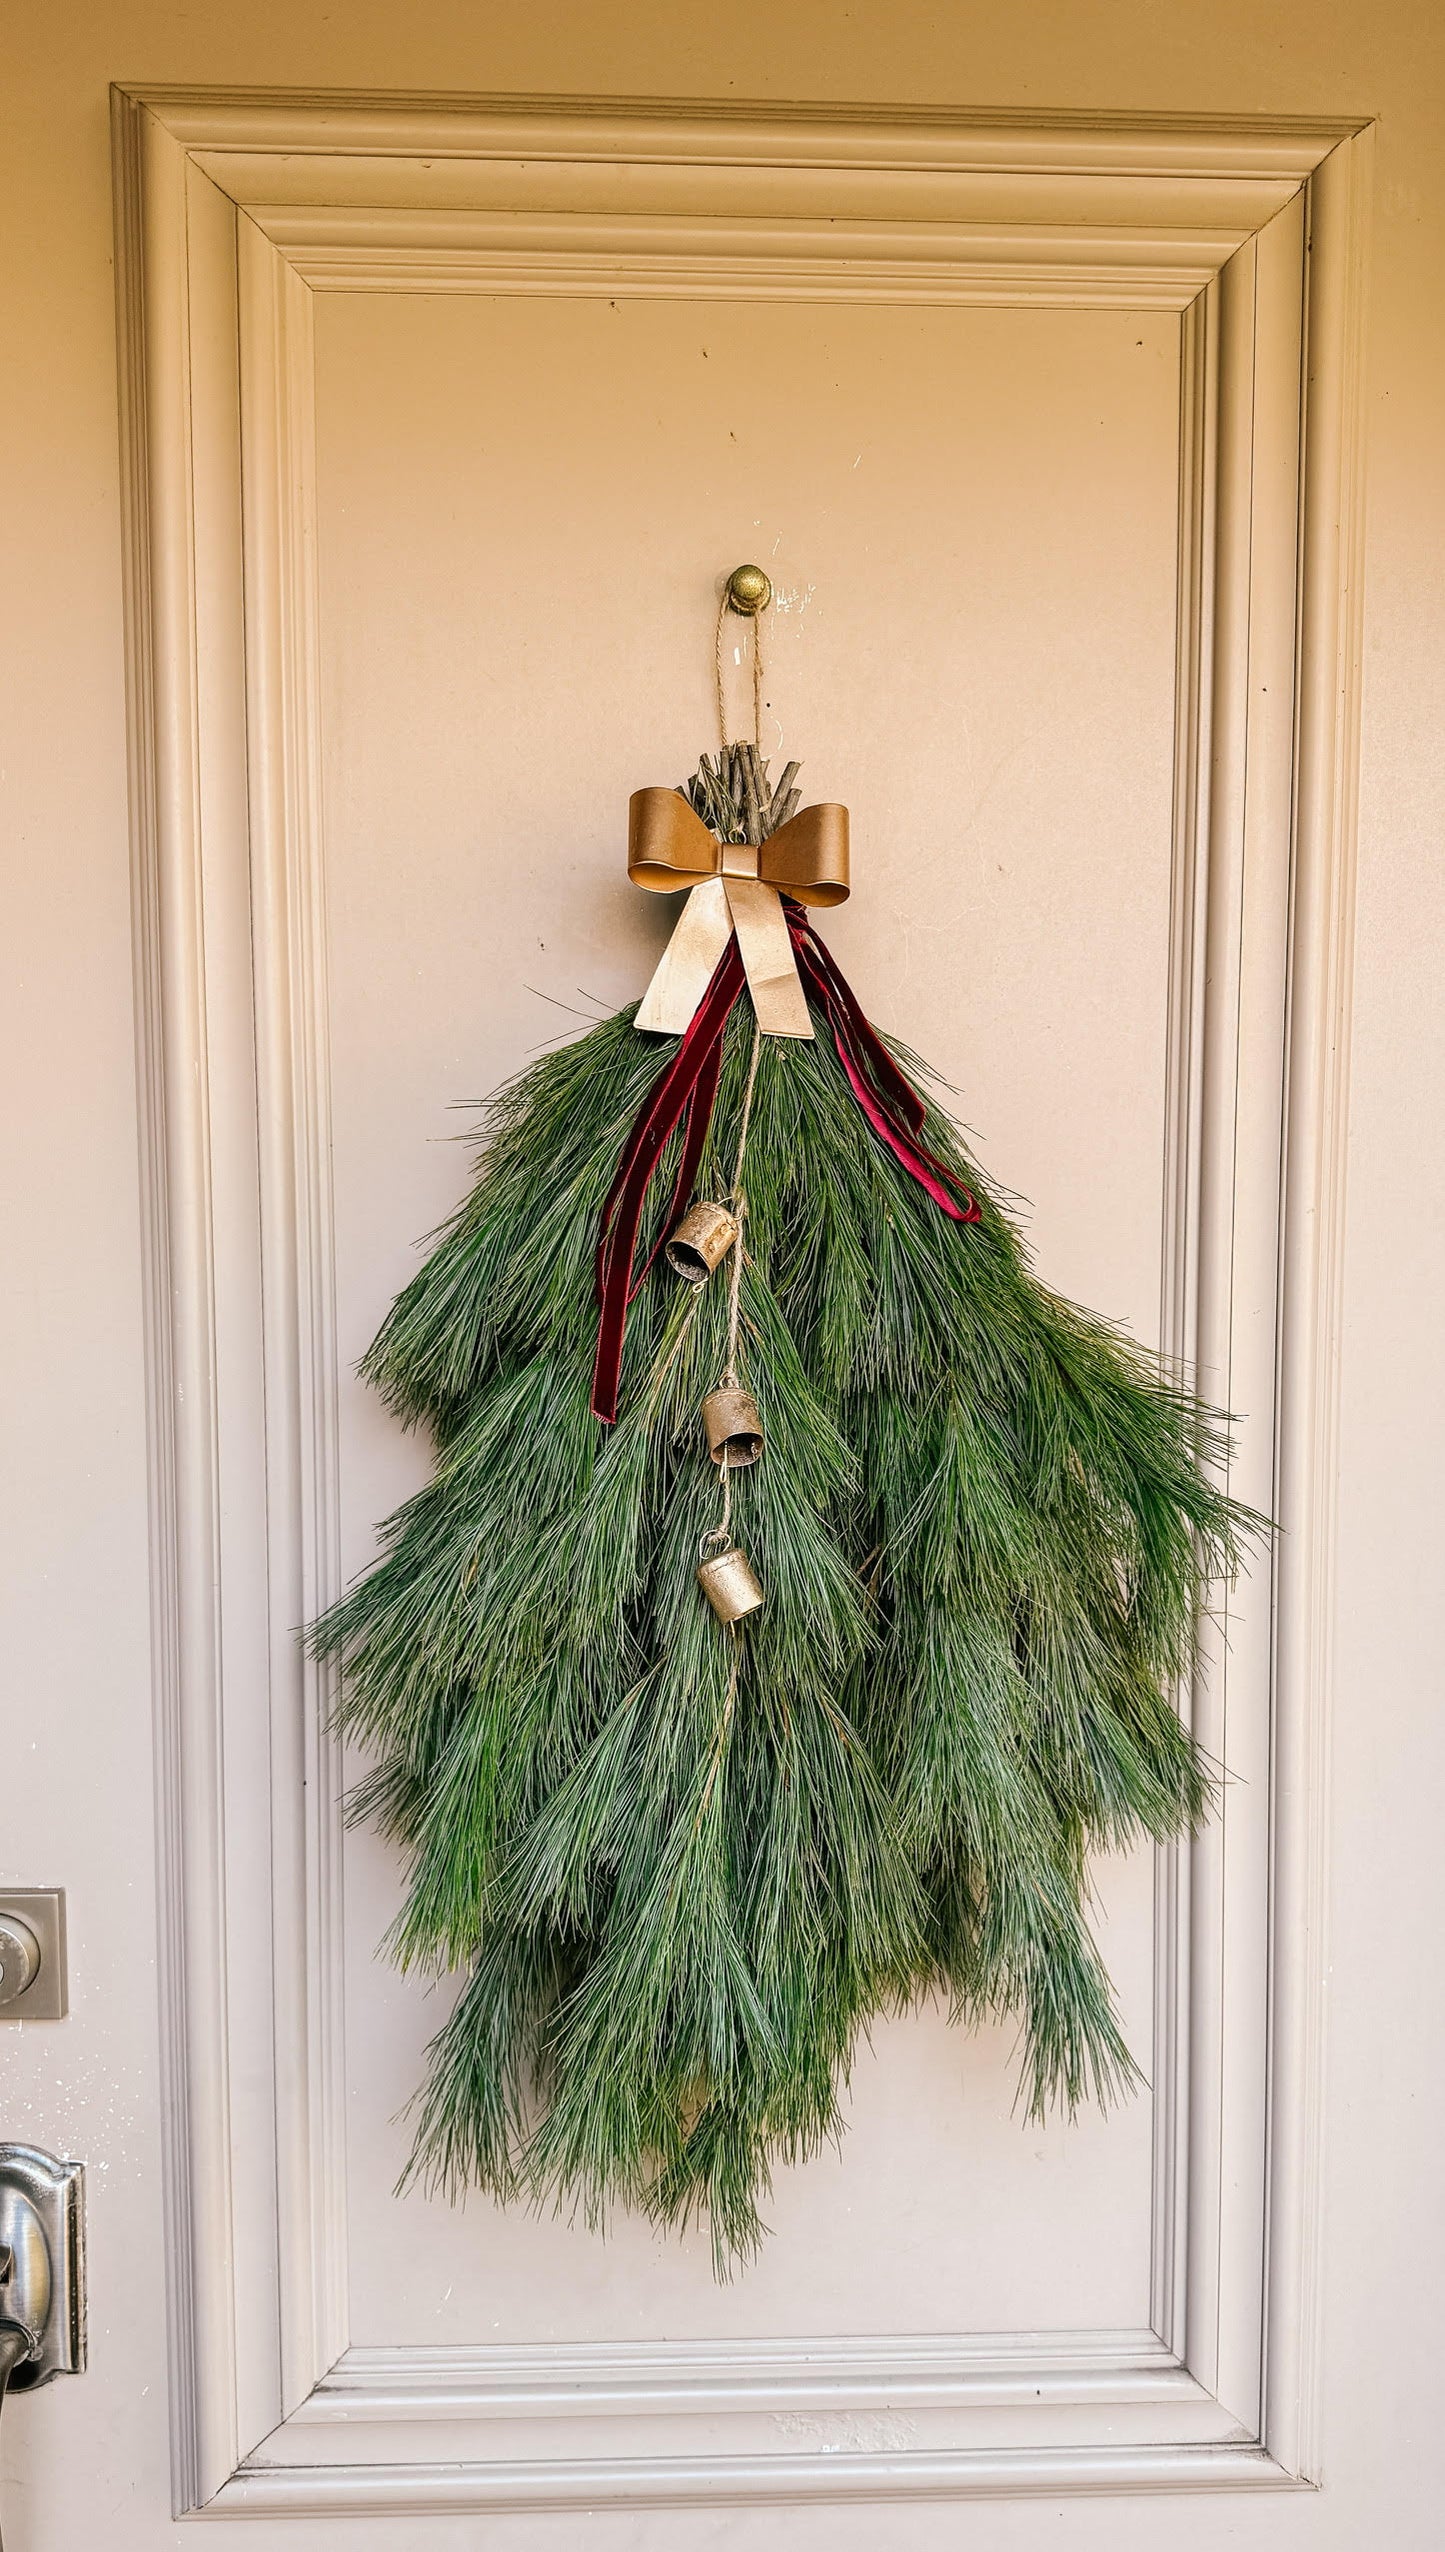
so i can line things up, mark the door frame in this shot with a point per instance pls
(233, 211)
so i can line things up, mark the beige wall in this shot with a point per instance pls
(74, 1630)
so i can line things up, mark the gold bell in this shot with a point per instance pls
(701, 1242)
(734, 1429)
(729, 1585)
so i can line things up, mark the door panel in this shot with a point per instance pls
(971, 519)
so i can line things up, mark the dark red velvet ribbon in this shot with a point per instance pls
(884, 1092)
(684, 1094)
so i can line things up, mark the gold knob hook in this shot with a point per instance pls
(749, 591)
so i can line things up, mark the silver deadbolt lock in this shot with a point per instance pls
(32, 1953)
(19, 1957)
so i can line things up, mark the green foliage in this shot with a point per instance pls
(682, 1866)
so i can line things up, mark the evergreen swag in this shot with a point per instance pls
(681, 1866)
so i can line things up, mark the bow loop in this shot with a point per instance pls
(668, 846)
(807, 857)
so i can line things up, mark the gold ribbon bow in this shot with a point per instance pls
(735, 887)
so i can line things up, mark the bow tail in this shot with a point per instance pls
(686, 966)
(768, 960)
(714, 911)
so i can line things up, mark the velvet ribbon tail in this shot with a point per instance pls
(883, 1092)
(684, 1093)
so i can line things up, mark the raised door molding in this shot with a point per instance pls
(233, 211)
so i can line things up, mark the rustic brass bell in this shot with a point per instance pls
(701, 1242)
(729, 1585)
(734, 1429)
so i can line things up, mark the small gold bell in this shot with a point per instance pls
(729, 1585)
(701, 1242)
(734, 1429)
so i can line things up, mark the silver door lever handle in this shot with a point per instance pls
(42, 2268)
(42, 2263)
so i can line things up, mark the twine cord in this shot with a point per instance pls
(739, 1203)
(722, 702)
(722, 1530)
(737, 1199)
(721, 677)
(724, 1725)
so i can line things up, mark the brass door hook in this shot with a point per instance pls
(749, 591)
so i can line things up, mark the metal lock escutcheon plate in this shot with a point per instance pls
(32, 1953)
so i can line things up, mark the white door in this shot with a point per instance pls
(439, 428)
